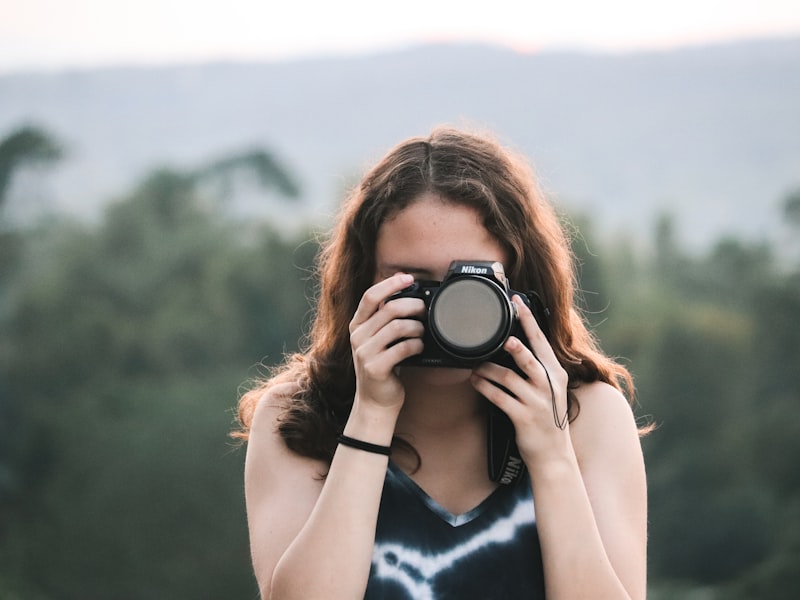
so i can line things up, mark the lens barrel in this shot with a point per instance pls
(470, 317)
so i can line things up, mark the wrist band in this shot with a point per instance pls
(365, 446)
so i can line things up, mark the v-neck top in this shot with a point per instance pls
(424, 552)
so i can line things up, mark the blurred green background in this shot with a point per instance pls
(125, 339)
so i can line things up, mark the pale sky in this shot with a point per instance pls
(54, 34)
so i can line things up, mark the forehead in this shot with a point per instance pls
(426, 236)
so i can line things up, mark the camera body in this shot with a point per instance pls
(469, 316)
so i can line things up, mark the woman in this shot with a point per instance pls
(368, 478)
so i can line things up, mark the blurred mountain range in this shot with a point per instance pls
(710, 134)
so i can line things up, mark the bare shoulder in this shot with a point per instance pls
(609, 452)
(267, 453)
(605, 431)
(281, 487)
(604, 413)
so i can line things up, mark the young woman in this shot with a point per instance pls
(367, 477)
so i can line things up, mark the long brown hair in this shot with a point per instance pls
(463, 168)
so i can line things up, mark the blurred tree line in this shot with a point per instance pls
(123, 345)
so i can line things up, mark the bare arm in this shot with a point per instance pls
(312, 536)
(592, 507)
(588, 479)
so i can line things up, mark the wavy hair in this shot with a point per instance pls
(462, 168)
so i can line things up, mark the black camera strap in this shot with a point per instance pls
(505, 462)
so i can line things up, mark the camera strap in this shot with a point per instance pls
(505, 461)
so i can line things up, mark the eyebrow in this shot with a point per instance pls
(418, 272)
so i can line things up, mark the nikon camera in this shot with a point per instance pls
(469, 316)
(468, 320)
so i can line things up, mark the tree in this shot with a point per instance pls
(129, 341)
(791, 209)
(27, 145)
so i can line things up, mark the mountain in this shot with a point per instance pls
(708, 133)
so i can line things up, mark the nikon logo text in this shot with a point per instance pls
(472, 270)
(513, 469)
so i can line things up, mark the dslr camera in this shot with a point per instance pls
(470, 316)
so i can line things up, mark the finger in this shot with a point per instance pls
(508, 380)
(536, 375)
(539, 344)
(388, 335)
(376, 295)
(550, 381)
(525, 359)
(402, 350)
(500, 397)
(377, 359)
(402, 309)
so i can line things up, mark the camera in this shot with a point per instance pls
(469, 316)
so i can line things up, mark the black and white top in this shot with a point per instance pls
(423, 552)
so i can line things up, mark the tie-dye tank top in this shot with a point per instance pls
(423, 552)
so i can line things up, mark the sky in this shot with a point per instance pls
(59, 34)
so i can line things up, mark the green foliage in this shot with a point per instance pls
(268, 171)
(124, 348)
(27, 144)
(714, 344)
(791, 208)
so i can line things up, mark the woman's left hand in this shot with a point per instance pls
(536, 405)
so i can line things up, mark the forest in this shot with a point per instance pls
(126, 341)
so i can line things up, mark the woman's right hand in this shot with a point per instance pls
(382, 334)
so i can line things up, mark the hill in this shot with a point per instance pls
(711, 134)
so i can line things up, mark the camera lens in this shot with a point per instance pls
(470, 317)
